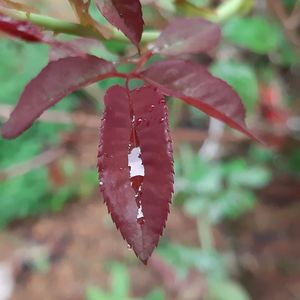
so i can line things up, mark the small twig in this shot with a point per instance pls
(60, 26)
(291, 32)
(37, 162)
(59, 117)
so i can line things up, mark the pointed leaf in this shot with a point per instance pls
(126, 15)
(185, 36)
(113, 164)
(57, 80)
(21, 29)
(152, 130)
(196, 86)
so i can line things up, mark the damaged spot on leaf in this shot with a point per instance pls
(136, 165)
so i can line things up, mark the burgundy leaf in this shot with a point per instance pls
(57, 80)
(184, 36)
(21, 29)
(126, 15)
(76, 47)
(196, 86)
(140, 216)
(152, 130)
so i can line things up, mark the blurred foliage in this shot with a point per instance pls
(211, 192)
(219, 190)
(120, 287)
(256, 34)
(241, 76)
(254, 50)
(32, 193)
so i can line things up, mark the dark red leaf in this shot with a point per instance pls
(196, 86)
(152, 130)
(141, 232)
(21, 29)
(185, 36)
(57, 80)
(126, 15)
(76, 47)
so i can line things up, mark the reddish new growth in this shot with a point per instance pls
(135, 160)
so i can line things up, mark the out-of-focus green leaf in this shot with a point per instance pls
(231, 204)
(29, 194)
(190, 9)
(256, 34)
(94, 293)
(156, 294)
(120, 281)
(241, 77)
(227, 290)
(183, 258)
(287, 56)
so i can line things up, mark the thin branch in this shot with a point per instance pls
(60, 26)
(37, 162)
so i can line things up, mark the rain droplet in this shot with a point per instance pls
(162, 101)
(162, 120)
(101, 186)
(139, 121)
(129, 247)
(151, 107)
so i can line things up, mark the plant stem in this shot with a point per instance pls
(204, 231)
(60, 26)
(223, 12)
(229, 9)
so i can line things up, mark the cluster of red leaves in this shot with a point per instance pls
(133, 119)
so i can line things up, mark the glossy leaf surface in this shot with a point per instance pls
(152, 130)
(184, 36)
(126, 15)
(196, 86)
(57, 80)
(152, 201)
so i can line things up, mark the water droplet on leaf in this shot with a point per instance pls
(151, 107)
(139, 121)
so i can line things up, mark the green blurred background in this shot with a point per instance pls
(233, 228)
